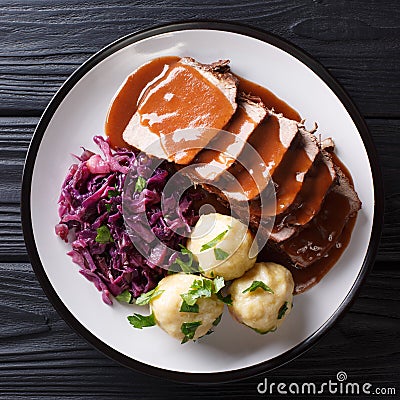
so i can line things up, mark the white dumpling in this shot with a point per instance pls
(228, 255)
(259, 309)
(166, 307)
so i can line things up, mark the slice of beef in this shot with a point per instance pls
(179, 113)
(225, 148)
(252, 172)
(309, 199)
(328, 145)
(289, 176)
(313, 241)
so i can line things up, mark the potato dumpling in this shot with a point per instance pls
(166, 308)
(221, 245)
(254, 305)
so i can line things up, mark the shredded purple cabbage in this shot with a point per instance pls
(91, 198)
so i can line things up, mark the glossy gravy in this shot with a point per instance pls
(125, 103)
(265, 138)
(241, 125)
(288, 178)
(306, 278)
(311, 195)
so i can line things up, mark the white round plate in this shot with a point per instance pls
(77, 113)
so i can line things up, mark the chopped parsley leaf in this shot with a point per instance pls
(263, 333)
(146, 297)
(219, 283)
(217, 320)
(113, 193)
(189, 330)
(140, 184)
(188, 266)
(258, 284)
(104, 235)
(125, 297)
(205, 288)
(282, 310)
(141, 321)
(199, 288)
(185, 307)
(212, 243)
(220, 254)
(225, 299)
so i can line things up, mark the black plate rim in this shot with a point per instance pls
(226, 376)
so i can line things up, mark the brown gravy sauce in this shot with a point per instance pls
(310, 198)
(241, 125)
(125, 103)
(183, 99)
(289, 177)
(306, 278)
(335, 207)
(337, 161)
(268, 98)
(321, 233)
(266, 139)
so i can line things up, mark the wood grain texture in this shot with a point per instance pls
(45, 41)
(15, 134)
(40, 350)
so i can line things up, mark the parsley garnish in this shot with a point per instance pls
(199, 288)
(220, 254)
(189, 329)
(185, 307)
(140, 184)
(146, 297)
(258, 284)
(125, 297)
(217, 320)
(212, 243)
(209, 332)
(204, 288)
(104, 235)
(219, 283)
(188, 266)
(141, 321)
(263, 333)
(170, 272)
(113, 193)
(225, 299)
(282, 310)
(108, 207)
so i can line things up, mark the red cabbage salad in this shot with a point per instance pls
(92, 221)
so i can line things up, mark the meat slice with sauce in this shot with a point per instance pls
(313, 241)
(288, 177)
(268, 144)
(182, 110)
(309, 199)
(225, 148)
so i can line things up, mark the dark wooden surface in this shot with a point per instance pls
(42, 42)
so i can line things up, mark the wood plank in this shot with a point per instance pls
(44, 42)
(40, 350)
(14, 140)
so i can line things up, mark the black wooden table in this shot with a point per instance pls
(44, 41)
